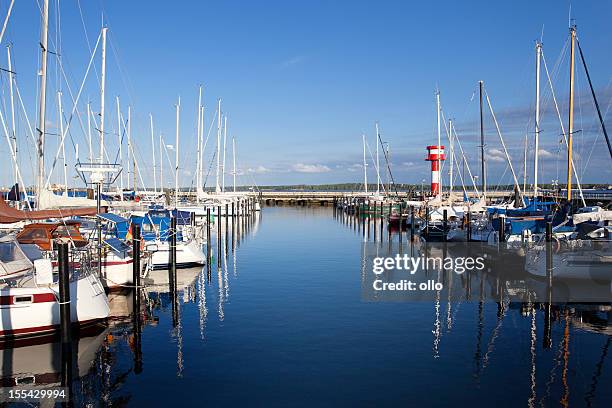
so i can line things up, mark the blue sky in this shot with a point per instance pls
(301, 81)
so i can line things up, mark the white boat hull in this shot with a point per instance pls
(33, 311)
(188, 254)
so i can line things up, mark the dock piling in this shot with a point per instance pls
(136, 255)
(547, 337)
(411, 223)
(469, 226)
(64, 291)
(444, 224)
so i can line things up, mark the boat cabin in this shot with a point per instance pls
(43, 234)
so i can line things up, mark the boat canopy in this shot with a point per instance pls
(13, 261)
(43, 234)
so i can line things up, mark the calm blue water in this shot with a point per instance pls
(282, 322)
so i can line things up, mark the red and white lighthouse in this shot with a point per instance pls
(435, 154)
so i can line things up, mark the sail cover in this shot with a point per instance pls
(9, 214)
(49, 200)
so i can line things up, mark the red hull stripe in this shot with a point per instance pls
(36, 298)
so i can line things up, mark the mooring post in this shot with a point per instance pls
(411, 223)
(218, 234)
(192, 219)
(136, 239)
(469, 226)
(427, 221)
(382, 221)
(226, 228)
(547, 338)
(444, 224)
(208, 247)
(233, 228)
(502, 228)
(136, 255)
(65, 320)
(400, 222)
(172, 270)
(208, 230)
(64, 291)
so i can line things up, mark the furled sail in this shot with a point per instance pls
(9, 214)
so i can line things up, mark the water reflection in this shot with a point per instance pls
(98, 369)
(561, 310)
(286, 317)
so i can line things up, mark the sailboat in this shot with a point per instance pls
(30, 293)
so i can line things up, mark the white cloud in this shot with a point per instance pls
(355, 167)
(310, 168)
(545, 154)
(258, 170)
(408, 164)
(496, 159)
(496, 156)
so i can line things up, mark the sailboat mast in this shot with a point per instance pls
(217, 184)
(131, 148)
(161, 164)
(526, 145)
(234, 160)
(90, 158)
(452, 156)
(224, 149)
(61, 129)
(40, 175)
(13, 129)
(365, 168)
(439, 148)
(537, 120)
(176, 153)
(570, 131)
(102, 88)
(483, 173)
(120, 146)
(202, 145)
(198, 163)
(153, 152)
(377, 162)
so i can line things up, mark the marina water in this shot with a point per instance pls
(280, 319)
